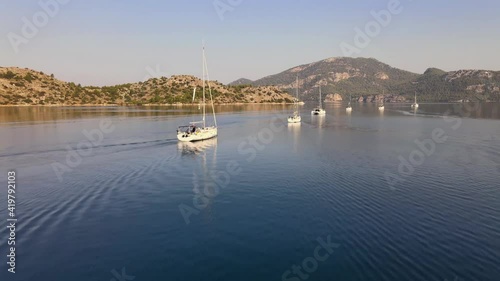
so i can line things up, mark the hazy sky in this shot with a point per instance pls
(101, 42)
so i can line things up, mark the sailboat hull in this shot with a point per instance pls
(294, 119)
(318, 111)
(199, 135)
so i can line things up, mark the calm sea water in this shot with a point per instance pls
(258, 199)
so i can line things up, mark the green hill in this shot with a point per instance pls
(461, 85)
(28, 87)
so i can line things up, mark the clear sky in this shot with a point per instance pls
(97, 42)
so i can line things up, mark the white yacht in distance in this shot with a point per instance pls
(415, 105)
(319, 110)
(198, 131)
(381, 107)
(295, 118)
(349, 107)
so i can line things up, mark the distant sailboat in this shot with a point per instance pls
(349, 107)
(197, 131)
(415, 105)
(381, 107)
(295, 117)
(319, 110)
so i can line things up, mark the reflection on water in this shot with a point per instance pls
(294, 130)
(195, 148)
(320, 123)
(335, 105)
(38, 114)
(204, 154)
(52, 113)
(318, 120)
(414, 110)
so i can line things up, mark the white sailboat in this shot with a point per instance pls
(198, 131)
(381, 107)
(295, 118)
(319, 110)
(349, 107)
(415, 105)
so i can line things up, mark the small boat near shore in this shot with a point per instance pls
(295, 117)
(319, 110)
(415, 104)
(349, 107)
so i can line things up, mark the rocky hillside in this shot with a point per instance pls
(461, 85)
(28, 87)
(344, 76)
(367, 80)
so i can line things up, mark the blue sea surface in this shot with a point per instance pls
(109, 193)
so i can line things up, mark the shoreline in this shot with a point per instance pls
(132, 105)
(217, 104)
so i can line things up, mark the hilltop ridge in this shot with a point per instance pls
(367, 79)
(364, 79)
(21, 86)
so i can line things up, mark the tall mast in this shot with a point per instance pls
(203, 63)
(297, 94)
(320, 97)
(297, 89)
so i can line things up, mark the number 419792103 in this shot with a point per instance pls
(11, 190)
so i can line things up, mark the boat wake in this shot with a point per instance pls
(138, 144)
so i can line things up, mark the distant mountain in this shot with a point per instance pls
(344, 76)
(460, 85)
(241, 81)
(28, 87)
(367, 79)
